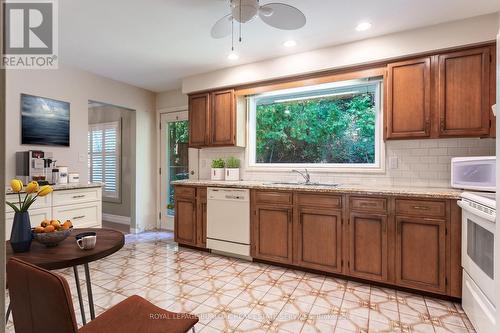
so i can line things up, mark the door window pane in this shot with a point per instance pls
(177, 155)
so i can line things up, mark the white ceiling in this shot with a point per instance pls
(155, 43)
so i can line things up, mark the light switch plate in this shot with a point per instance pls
(393, 162)
(81, 157)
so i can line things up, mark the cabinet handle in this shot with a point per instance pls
(78, 217)
(421, 207)
(369, 204)
(79, 196)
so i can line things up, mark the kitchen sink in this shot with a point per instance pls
(304, 184)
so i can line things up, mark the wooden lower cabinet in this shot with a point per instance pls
(190, 221)
(272, 227)
(319, 239)
(185, 221)
(421, 253)
(368, 246)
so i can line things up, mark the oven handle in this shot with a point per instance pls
(476, 212)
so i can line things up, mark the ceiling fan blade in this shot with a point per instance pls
(282, 16)
(222, 27)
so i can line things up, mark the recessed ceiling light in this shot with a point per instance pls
(363, 26)
(290, 43)
(233, 56)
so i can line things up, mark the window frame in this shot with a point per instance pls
(377, 167)
(108, 196)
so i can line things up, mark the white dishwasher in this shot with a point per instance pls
(228, 221)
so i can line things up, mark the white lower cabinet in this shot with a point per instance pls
(82, 206)
(36, 216)
(85, 215)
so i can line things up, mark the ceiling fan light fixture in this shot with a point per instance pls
(290, 43)
(266, 11)
(363, 26)
(233, 56)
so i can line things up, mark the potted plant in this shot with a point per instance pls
(232, 168)
(20, 235)
(217, 169)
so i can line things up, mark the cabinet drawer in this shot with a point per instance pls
(283, 198)
(368, 204)
(41, 202)
(83, 215)
(185, 192)
(36, 216)
(320, 200)
(421, 208)
(71, 197)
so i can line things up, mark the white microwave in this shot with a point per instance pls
(474, 173)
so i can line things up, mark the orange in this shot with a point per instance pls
(45, 223)
(39, 230)
(55, 223)
(68, 224)
(49, 228)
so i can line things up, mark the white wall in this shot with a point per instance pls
(77, 87)
(171, 100)
(474, 30)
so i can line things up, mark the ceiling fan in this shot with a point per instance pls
(277, 15)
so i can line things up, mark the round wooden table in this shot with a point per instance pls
(68, 254)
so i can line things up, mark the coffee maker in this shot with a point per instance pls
(34, 165)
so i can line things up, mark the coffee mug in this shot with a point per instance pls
(86, 241)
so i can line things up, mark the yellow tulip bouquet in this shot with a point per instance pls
(33, 191)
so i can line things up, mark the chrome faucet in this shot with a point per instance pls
(304, 174)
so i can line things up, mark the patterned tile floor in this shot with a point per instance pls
(231, 295)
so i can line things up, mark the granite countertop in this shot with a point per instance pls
(401, 191)
(69, 186)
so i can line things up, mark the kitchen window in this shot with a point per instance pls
(329, 126)
(104, 152)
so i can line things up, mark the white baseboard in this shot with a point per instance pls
(116, 218)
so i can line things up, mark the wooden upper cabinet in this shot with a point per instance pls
(408, 108)
(223, 122)
(199, 113)
(464, 92)
(421, 253)
(319, 239)
(272, 228)
(215, 120)
(368, 246)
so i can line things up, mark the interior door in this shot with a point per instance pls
(177, 161)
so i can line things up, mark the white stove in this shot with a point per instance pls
(478, 236)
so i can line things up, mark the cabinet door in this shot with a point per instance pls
(198, 120)
(273, 233)
(409, 99)
(368, 246)
(319, 239)
(223, 120)
(185, 221)
(420, 253)
(464, 93)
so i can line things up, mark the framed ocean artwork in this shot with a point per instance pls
(44, 121)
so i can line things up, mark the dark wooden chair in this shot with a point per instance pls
(41, 303)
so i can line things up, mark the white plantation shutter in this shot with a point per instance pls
(104, 157)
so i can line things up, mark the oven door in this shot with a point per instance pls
(478, 234)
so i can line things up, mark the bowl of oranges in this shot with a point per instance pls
(52, 232)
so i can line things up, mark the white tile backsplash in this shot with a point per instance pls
(419, 163)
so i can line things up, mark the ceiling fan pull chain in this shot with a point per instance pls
(240, 21)
(232, 34)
